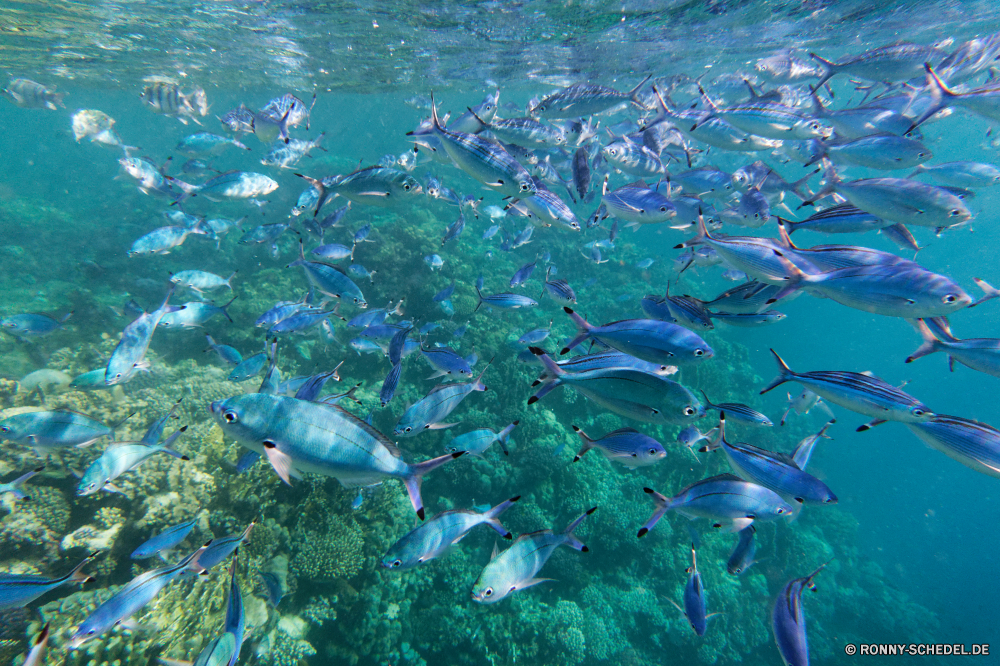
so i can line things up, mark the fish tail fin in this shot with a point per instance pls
(551, 379)
(588, 443)
(416, 474)
(478, 384)
(632, 94)
(571, 540)
(941, 96)
(483, 124)
(479, 294)
(223, 308)
(662, 506)
(19, 481)
(829, 69)
(709, 104)
(700, 235)
(76, 575)
(785, 374)
(818, 109)
(504, 435)
(168, 443)
(584, 327)
(930, 343)
(989, 291)
(799, 186)
(492, 516)
(829, 187)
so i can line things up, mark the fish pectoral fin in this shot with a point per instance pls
(531, 582)
(281, 463)
(87, 443)
(440, 426)
(373, 194)
(741, 523)
(498, 183)
(870, 425)
(112, 488)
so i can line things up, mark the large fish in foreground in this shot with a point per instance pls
(857, 392)
(515, 568)
(19, 590)
(975, 445)
(306, 437)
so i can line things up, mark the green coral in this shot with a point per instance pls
(328, 546)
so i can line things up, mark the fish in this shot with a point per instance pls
(240, 120)
(486, 161)
(804, 403)
(206, 143)
(625, 445)
(725, 499)
(45, 431)
(374, 186)
(522, 274)
(584, 99)
(694, 598)
(739, 412)
(960, 174)
(766, 118)
(28, 94)
(776, 471)
(248, 367)
(581, 172)
(429, 412)
(390, 383)
(119, 458)
(857, 392)
(516, 567)
(445, 293)
(536, 336)
(637, 205)
(742, 557)
(897, 62)
(194, 314)
(454, 230)
(330, 280)
(884, 151)
(19, 590)
(504, 301)
(525, 132)
(476, 442)
(32, 325)
(287, 155)
(163, 240)
(218, 549)
(686, 311)
(654, 341)
(788, 621)
(446, 362)
(225, 649)
(638, 395)
(748, 320)
(840, 219)
(163, 95)
(559, 290)
(231, 185)
(982, 101)
(130, 599)
(690, 436)
(304, 437)
(228, 354)
(434, 261)
(439, 534)
(129, 355)
(164, 541)
(201, 281)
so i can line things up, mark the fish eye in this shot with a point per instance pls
(689, 411)
(652, 452)
(4, 429)
(397, 563)
(230, 416)
(699, 352)
(950, 298)
(118, 375)
(406, 186)
(916, 411)
(407, 429)
(954, 212)
(612, 151)
(524, 187)
(663, 209)
(488, 592)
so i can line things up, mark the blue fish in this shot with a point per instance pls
(246, 461)
(694, 599)
(429, 412)
(477, 442)
(130, 599)
(522, 274)
(788, 621)
(445, 293)
(248, 368)
(390, 383)
(625, 445)
(505, 301)
(217, 550)
(164, 541)
(650, 340)
(225, 352)
(742, 557)
(32, 325)
(15, 487)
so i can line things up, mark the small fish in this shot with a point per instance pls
(334, 252)
(201, 281)
(164, 541)
(694, 599)
(454, 230)
(429, 412)
(436, 537)
(491, 231)
(739, 412)
(742, 557)
(434, 261)
(249, 367)
(27, 94)
(515, 568)
(225, 352)
(119, 458)
(89, 381)
(724, 499)
(803, 451)
(505, 301)
(389, 384)
(625, 445)
(445, 293)
(477, 442)
(194, 314)
(217, 550)
(32, 325)
(536, 336)
(788, 621)
(644, 264)
(206, 143)
(522, 274)
(650, 340)
(690, 436)
(980, 354)
(446, 362)
(803, 403)
(559, 290)
(584, 99)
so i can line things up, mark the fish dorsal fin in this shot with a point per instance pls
(496, 551)
(621, 431)
(639, 184)
(369, 429)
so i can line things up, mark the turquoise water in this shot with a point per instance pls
(909, 543)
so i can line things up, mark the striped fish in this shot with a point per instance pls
(788, 621)
(505, 301)
(974, 444)
(980, 354)
(486, 161)
(19, 590)
(30, 95)
(857, 392)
